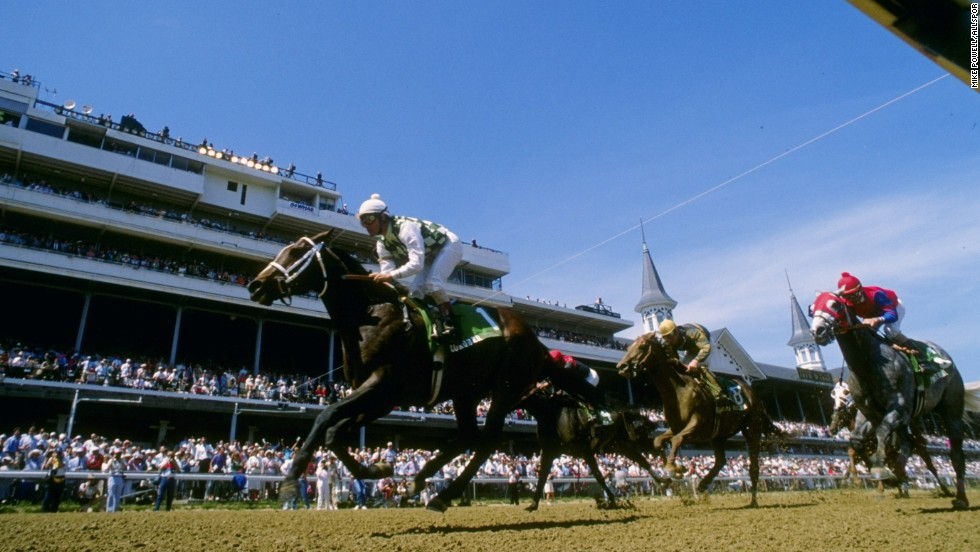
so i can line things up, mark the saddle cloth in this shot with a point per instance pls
(473, 323)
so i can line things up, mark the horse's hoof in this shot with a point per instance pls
(959, 504)
(882, 474)
(532, 508)
(437, 505)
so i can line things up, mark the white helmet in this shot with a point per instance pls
(373, 206)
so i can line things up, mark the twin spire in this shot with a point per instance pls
(656, 306)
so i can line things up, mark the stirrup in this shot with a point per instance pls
(447, 329)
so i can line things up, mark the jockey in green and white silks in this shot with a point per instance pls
(421, 253)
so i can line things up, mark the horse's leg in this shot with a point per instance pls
(753, 441)
(884, 432)
(364, 405)
(290, 485)
(898, 457)
(659, 440)
(492, 429)
(590, 461)
(953, 418)
(675, 445)
(548, 454)
(630, 451)
(466, 432)
(549, 441)
(920, 447)
(852, 466)
(718, 445)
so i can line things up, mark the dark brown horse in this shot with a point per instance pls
(388, 362)
(565, 426)
(690, 410)
(886, 392)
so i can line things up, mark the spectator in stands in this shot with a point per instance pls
(89, 494)
(167, 485)
(326, 482)
(54, 482)
(114, 467)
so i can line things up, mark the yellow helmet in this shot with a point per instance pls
(666, 327)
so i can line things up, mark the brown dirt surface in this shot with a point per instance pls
(827, 520)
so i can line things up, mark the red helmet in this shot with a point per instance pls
(848, 284)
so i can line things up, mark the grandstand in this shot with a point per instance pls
(121, 246)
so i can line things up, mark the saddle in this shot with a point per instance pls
(731, 399)
(474, 325)
(928, 366)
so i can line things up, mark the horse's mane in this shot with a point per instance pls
(374, 293)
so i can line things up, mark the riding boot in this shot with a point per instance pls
(439, 357)
(448, 321)
(709, 379)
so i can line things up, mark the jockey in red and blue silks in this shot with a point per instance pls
(876, 306)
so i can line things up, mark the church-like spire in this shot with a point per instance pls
(654, 304)
(804, 346)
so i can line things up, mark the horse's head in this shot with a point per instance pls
(297, 268)
(831, 315)
(645, 350)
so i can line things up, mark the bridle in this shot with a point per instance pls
(289, 274)
(637, 361)
(840, 325)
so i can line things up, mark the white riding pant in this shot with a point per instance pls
(431, 280)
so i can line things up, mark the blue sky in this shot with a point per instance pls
(550, 129)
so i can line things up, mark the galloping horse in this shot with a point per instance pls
(388, 363)
(863, 438)
(885, 390)
(564, 426)
(690, 410)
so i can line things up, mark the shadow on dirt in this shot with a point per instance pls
(529, 525)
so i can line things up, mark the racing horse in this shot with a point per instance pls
(388, 363)
(885, 391)
(691, 413)
(564, 425)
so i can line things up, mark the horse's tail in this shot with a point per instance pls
(769, 427)
(773, 436)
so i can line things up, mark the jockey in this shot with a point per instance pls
(413, 248)
(695, 341)
(876, 306)
(589, 392)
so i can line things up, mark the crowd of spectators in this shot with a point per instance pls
(129, 124)
(157, 375)
(140, 207)
(147, 373)
(580, 338)
(33, 449)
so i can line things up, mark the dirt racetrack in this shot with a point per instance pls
(825, 521)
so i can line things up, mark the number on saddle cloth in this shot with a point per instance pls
(732, 390)
(474, 322)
